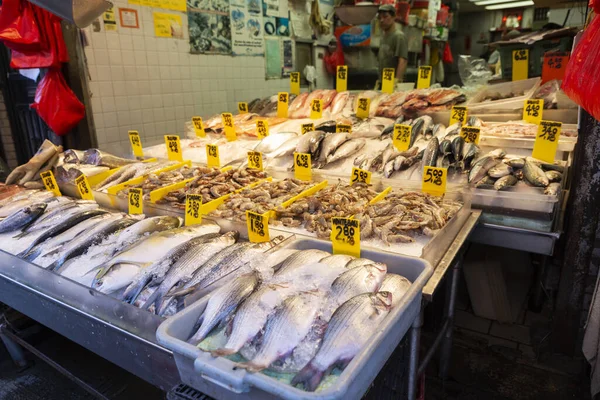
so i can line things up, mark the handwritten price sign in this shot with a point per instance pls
(401, 138)
(533, 111)
(212, 156)
(50, 182)
(470, 134)
(307, 128)
(173, 148)
(546, 141)
(341, 81)
(360, 175)
(193, 205)
(258, 227)
(83, 186)
(282, 104)
(434, 180)
(302, 166)
(345, 236)
(198, 128)
(136, 203)
(136, 143)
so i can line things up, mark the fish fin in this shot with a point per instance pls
(176, 292)
(21, 235)
(151, 300)
(310, 376)
(222, 352)
(251, 367)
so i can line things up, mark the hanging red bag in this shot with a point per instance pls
(447, 57)
(46, 57)
(56, 104)
(18, 27)
(582, 82)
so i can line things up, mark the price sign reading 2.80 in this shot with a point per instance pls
(434, 180)
(345, 236)
(360, 175)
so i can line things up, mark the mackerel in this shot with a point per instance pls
(23, 217)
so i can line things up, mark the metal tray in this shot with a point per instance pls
(219, 378)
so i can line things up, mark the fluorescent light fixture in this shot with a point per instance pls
(490, 2)
(510, 5)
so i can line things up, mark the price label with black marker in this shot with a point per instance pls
(343, 128)
(546, 141)
(401, 138)
(193, 206)
(434, 180)
(520, 64)
(387, 80)
(295, 83)
(307, 128)
(212, 156)
(458, 114)
(258, 227)
(282, 104)
(470, 134)
(345, 236)
(302, 166)
(424, 78)
(84, 188)
(50, 183)
(316, 109)
(230, 134)
(255, 160)
(173, 148)
(136, 143)
(363, 107)
(262, 128)
(136, 203)
(341, 78)
(360, 175)
(198, 127)
(533, 111)
(243, 107)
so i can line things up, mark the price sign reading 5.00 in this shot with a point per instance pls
(401, 138)
(362, 110)
(360, 175)
(546, 141)
(470, 134)
(307, 128)
(50, 182)
(84, 188)
(255, 160)
(258, 227)
(136, 203)
(212, 156)
(302, 166)
(532, 111)
(173, 148)
(345, 236)
(434, 180)
(193, 205)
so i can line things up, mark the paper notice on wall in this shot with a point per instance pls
(175, 5)
(168, 25)
(300, 25)
(273, 58)
(246, 29)
(209, 26)
(110, 21)
(271, 8)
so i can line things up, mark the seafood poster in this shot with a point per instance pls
(209, 26)
(246, 28)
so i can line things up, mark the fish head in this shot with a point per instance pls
(382, 301)
(36, 208)
(375, 275)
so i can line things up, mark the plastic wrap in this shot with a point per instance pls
(473, 71)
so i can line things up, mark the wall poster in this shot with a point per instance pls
(246, 28)
(209, 26)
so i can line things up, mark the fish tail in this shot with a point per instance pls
(222, 352)
(21, 235)
(55, 266)
(28, 254)
(132, 292)
(198, 336)
(310, 376)
(251, 366)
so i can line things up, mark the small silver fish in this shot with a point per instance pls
(505, 181)
(552, 189)
(534, 174)
(553, 176)
(499, 170)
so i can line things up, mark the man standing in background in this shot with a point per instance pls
(393, 51)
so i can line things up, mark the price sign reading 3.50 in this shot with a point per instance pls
(343, 128)
(307, 128)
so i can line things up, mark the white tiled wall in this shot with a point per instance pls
(154, 85)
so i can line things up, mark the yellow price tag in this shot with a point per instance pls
(316, 109)
(193, 205)
(83, 186)
(533, 111)
(136, 201)
(341, 78)
(227, 120)
(136, 143)
(401, 138)
(387, 80)
(424, 79)
(50, 183)
(308, 128)
(302, 166)
(546, 141)
(198, 127)
(255, 160)
(212, 156)
(295, 83)
(520, 64)
(174, 152)
(434, 180)
(363, 107)
(360, 175)
(282, 104)
(458, 114)
(262, 128)
(343, 128)
(470, 134)
(258, 227)
(242, 107)
(345, 236)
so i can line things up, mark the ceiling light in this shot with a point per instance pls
(490, 2)
(510, 5)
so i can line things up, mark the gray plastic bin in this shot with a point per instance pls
(219, 378)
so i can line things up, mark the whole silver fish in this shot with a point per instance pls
(431, 153)
(388, 169)
(397, 285)
(97, 157)
(553, 176)
(286, 149)
(358, 262)
(331, 143)
(516, 162)
(534, 174)
(470, 152)
(480, 168)
(274, 141)
(302, 258)
(389, 154)
(348, 331)
(457, 145)
(346, 150)
(485, 181)
(146, 226)
(223, 302)
(499, 170)
(23, 217)
(183, 270)
(303, 145)
(155, 273)
(336, 260)
(498, 153)
(14, 206)
(285, 329)
(398, 162)
(552, 189)
(505, 181)
(49, 218)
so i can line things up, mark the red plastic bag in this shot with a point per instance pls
(447, 57)
(56, 104)
(18, 26)
(582, 82)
